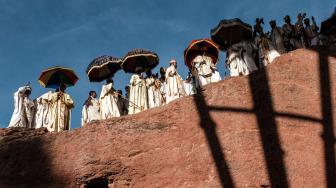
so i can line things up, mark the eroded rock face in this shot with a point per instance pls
(272, 128)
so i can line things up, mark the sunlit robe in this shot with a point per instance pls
(23, 114)
(43, 111)
(174, 85)
(189, 87)
(60, 111)
(138, 95)
(205, 69)
(108, 105)
(91, 111)
(240, 58)
(267, 52)
(154, 93)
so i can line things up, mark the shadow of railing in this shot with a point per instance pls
(268, 131)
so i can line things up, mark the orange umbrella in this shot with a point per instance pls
(201, 47)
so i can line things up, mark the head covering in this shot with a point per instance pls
(172, 61)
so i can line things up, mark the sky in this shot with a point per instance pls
(38, 34)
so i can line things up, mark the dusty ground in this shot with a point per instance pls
(274, 128)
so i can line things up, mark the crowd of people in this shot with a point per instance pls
(53, 109)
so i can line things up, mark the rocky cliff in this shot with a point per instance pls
(273, 128)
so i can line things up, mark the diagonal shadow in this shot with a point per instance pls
(263, 108)
(327, 120)
(209, 128)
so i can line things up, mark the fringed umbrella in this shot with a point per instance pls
(231, 31)
(55, 76)
(103, 67)
(201, 47)
(139, 60)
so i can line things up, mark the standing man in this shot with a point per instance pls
(61, 105)
(291, 38)
(24, 109)
(91, 109)
(108, 105)
(277, 37)
(138, 94)
(121, 103)
(312, 32)
(43, 112)
(174, 84)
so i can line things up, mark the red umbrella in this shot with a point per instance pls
(201, 47)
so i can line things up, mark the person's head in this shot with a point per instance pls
(162, 71)
(173, 62)
(119, 93)
(149, 73)
(127, 89)
(28, 91)
(272, 24)
(306, 21)
(109, 80)
(138, 70)
(93, 94)
(62, 87)
(287, 19)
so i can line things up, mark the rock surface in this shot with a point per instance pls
(274, 128)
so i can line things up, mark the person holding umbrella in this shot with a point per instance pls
(108, 104)
(91, 109)
(58, 78)
(138, 93)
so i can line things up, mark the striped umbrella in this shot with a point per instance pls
(200, 47)
(103, 67)
(139, 60)
(55, 76)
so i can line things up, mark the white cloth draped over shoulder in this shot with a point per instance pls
(61, 105)
(189, 87)
(205, 69)
(138, 95)
(24, 109)
(91, 111)
(174, 84)
(43, 112)
(108, 105)
(267, 52)
(240, 58)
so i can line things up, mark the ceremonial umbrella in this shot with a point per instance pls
(55, 76)
(329, 26)
(103, 67)
(231, 31)
(139, 60)
(201, 47)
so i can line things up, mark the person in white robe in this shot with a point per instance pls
(267, 53)
(138, 100)
(153, 90)
(61, 105)
(189, 85)
(43, 111)
(204, 70)
(91, 109)
(24, 109)
(108, 105)
(240, 58)
(174, 83)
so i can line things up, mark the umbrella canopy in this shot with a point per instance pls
(139, 60)
(55, 76)
(200, 47)
(231, 31)
(103, 67)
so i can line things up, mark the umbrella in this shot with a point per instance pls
(139, 60)
(231, 31)
(198, 47)
(103, 67)
(55, 76)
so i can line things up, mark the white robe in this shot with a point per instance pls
(154, 93)
(189, 87)
(108, 105)
(138, 95)
(267, 52)
(174, 85)
(241, 64)
(43, 112)
(205, 70)
(60, 112)
(23, 114)
(91, 111)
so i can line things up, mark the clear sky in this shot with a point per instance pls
(36, 34)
